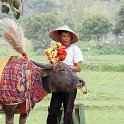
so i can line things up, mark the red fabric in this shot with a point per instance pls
(20, 84)
(25, 55)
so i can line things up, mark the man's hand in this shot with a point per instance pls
(77, 67)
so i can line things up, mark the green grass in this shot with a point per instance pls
(104, 87)
(104, 116)
(104, 103)
(106, 59)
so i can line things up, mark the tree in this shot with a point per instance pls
(96, 25)
(119, 25)
(117, 29)
(11, 6)
(38, 6)
(38, 27)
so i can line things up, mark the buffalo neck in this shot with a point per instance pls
(46, 84)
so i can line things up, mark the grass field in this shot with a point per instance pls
(104, 103)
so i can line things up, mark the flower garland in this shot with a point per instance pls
(56, 52)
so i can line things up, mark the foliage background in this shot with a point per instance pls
(103, 68)
(75, 14)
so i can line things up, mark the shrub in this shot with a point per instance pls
(104, 67)
(108, 50)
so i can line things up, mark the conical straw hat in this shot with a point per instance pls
(56, 37)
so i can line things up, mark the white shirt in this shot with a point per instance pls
(74, 55)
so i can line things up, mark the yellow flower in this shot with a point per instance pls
(53, 54)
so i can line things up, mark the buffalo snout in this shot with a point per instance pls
(81, 85)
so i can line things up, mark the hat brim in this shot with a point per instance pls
(54, 35)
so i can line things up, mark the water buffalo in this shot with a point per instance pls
(24, 83)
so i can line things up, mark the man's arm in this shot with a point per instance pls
(77, 67)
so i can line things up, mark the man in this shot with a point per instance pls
(74, 59)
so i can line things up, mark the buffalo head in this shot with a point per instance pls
(60, 79)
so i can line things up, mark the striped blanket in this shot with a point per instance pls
(20, 85)
(2, 64)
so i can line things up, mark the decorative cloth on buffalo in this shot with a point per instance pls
(2, 64)
(20, 85)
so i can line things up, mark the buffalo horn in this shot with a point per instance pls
(45, 66)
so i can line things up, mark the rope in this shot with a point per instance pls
(84, 91)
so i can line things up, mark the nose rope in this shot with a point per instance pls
(84, 91)
(54, 65)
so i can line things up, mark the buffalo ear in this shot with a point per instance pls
(42, 72)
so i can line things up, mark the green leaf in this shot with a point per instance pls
(5, 9)
(16, 13)
(4, 1)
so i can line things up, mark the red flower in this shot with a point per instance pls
(56, 52)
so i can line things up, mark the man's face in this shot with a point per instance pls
(66, 38)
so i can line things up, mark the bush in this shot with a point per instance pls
(104, 67)
(108, 50)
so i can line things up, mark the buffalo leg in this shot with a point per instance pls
(9, 112)
(22, 118)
